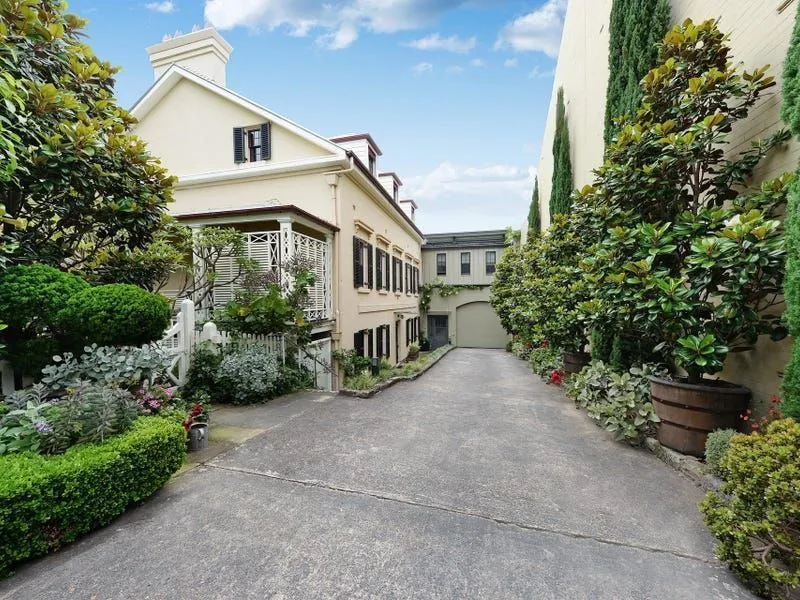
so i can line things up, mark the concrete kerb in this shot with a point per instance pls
(690, 466)
(364, 394)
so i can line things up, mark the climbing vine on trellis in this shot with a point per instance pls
(446, 290)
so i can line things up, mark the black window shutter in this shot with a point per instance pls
(370, 343)
(388, 270)
(358, 268)
(378, 269)
(370, 267)
(238, 145)
(266, 141)
(379, 342)
(358, 343)
(388, 340)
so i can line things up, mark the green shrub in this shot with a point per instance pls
(590, 386)
(362, 381)
(115, 315)
(756, 514)
(293, 379)
(351, 362)
(48, 501)
(716, 446)
(546, 360)
(201, 377)
(248, 375)
(31, 297)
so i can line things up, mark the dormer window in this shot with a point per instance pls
(396, 192)
(252, 144)
(373, 162)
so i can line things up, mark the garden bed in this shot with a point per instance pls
(425, 363)
(49, 501)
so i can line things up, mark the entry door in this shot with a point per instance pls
(438, 330)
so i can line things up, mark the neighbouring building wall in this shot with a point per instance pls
(477, 275)
(760, 35)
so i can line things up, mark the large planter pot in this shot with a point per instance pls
(575, 361)
(689, 412)
(198, 437)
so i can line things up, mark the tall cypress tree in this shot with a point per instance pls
(534, 218)
(562, 162)
(635, 29)
(791, 285)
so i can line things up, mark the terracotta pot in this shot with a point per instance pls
(575, 361)
(689, 412)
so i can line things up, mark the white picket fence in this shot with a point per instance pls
(180, 339)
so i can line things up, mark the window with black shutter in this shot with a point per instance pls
(408, 331)
(378, 269)
(238, 145)
(266, 141)
(358, 262)
(388, 337)
(370, 266)
(379, 342)
(387, 270)
(370, 343)
(358, 343)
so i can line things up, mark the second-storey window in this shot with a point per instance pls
(441, 264)
(363, 265)
(465, 263)
(254, 145)
(491, 262)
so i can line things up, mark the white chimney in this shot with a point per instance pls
(410, 208)
(204, 52)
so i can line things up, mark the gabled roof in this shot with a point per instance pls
(353, 137)
(176, 73)
(391, 174)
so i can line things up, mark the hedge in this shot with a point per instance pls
(48, 501)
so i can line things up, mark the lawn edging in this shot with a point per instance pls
(690, 466)
(390, 382)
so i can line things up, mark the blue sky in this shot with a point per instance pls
(454, 92)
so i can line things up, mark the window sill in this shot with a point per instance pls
(383, 292)
(364, 290)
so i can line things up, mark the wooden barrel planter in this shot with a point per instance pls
(575, 361)
(689, 412)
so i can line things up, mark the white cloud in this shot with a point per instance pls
(477, 62)
(449, 44)
(336, 22)
(423, 67)
(165, 7)
(510, 63)
(538, 73)
(459, 198)
(538, 31)
(455, 69)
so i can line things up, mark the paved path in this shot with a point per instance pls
(476, 481)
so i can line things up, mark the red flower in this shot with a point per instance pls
(557, 377)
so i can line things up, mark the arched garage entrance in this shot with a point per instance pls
(478, 326)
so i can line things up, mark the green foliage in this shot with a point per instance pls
(602, 342)
(618, 402)
(49, 501)
(546, 359)
(755, 516)
(790, 110)
(248, 375)
(445, 290)
(636, 28)
(362, 381)
(126, 367)
(31, 297)
(692, 258)
(791, 385)
(351, 362)
(201, 378)
(115, 315)
(534, 216)
(74, 172)
(717, 446)
(292, 379)
(561, 191)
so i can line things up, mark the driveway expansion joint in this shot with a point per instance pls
(472, 514)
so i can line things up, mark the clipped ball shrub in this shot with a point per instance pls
(115, 315)
(716, 447)
(756, 514)
(48, 501)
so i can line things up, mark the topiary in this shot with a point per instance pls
(756, 514)
(115, 315)
(717, 445)
(30, 299)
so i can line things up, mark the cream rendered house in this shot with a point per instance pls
(466, 259)
(291, 192)
(760, 33)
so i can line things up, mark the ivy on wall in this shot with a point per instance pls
(445, 290)
(636, 27)
(791, 287)
(534, 218)
(562, 162)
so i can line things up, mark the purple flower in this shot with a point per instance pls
(42, 427)
(154, 404)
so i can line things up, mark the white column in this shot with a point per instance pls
(329, 275)
(287, 249)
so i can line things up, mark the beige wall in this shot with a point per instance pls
(477, 274)
(449, 306)
(759, 35)
(191, 130)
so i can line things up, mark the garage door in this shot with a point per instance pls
(478, 326)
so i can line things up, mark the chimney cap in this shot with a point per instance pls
(207, 33)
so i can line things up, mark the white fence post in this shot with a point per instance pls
(6, 377)
(185, 338)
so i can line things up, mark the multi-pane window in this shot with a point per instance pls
(441, 264)
(363, 266)
(383, 270)
(465, 263)
(373, 162)
(491, 261)
(397, 274)
(254, 145)
(382, 341)
(409, 282)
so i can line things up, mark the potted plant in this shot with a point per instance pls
(692, 259)
(413, 352)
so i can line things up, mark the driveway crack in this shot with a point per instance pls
(472, 514)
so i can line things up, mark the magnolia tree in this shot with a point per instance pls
(692, 260)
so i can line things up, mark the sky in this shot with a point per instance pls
(455, 92)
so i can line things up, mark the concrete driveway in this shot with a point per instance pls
(475, 481)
